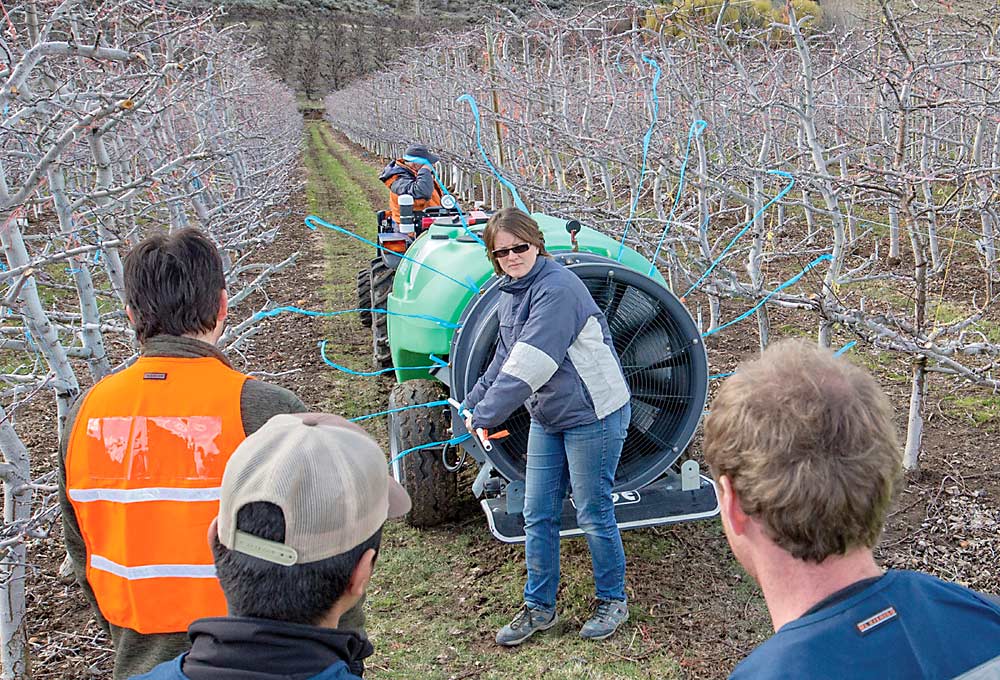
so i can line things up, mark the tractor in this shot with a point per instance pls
(659, 344)
(375, 283)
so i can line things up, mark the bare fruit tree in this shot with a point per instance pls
(117, 120)
(847, 169)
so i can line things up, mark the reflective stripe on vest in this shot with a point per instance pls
(418, 203)
(143, 470)
(152, 570)
(140, 495)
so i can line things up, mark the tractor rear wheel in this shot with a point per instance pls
(381, 286)
(432, 489)
(365, 296)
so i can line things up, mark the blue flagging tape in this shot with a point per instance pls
(312, 221)
(645, 150)
(367, 374)
(31, 342)
(430, 404)
(307, 312)
(697, 127)
(720, 375)
(438, 360)
(471, 101)
(845, 348)
(716, 261)
(822, 258)
(432, 445)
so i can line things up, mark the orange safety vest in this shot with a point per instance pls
(418, 203)
(143, 471)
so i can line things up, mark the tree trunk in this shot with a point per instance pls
(17, 499)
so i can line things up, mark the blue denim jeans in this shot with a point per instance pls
(585, 457)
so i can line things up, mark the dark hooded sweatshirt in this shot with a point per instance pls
(405, 182)
(235, 648)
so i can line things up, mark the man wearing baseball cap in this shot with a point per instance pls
(302, 505)
(412, 175)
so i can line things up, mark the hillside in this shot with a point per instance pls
(445, 11)
(319, 46)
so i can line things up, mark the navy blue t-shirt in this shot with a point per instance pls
(903, 626)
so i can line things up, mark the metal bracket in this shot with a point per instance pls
(690, 475)
(515, 497)
(442, 373)
(484, 474)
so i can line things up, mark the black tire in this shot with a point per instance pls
(381, 286)
(432, 489)
(365, 296)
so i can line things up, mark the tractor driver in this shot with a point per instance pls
(412, 175)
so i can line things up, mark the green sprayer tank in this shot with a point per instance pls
(448, 248)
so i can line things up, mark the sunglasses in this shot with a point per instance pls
(520, 249)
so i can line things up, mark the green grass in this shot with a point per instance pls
(939, 313)
(362, 173)
(886, 365)
(305, 104)
(332, 194)
(438, 597)
(331, 190)
(946, 313)
(981, 409)
(787, 330)
(16, 362)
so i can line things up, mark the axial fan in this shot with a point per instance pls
(661, 353)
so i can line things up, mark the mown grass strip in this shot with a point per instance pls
(362, 173)
(351, 208)
(439, 596)
(332, 194)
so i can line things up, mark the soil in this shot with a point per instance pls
(707, 614)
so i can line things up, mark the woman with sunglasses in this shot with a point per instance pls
(556, 357)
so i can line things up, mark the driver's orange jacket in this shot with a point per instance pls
(418, 203)
(143, 471)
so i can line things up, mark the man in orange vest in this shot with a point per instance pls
(143, 452)
(412, 175)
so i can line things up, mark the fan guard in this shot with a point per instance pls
(661, 352)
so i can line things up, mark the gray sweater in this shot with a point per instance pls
(555, 355)
(136, 653)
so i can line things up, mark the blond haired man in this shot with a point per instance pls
(806, 459)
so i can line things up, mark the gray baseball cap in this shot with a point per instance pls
(329, 478)
(419, 151)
